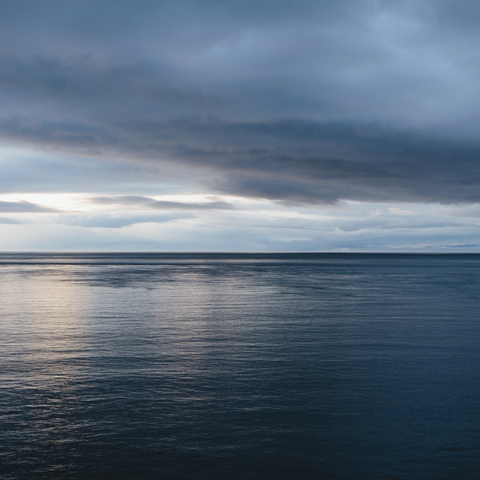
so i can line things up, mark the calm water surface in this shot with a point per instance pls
(307, 366)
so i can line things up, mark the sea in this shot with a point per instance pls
(239, 366)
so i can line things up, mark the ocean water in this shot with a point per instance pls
(293, 366)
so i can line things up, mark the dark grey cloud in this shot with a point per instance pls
(152, 204)
(300, 102)
(24, 207)
(306, 162)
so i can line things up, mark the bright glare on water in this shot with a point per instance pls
(305, 366)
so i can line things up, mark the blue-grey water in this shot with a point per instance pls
(302, 366)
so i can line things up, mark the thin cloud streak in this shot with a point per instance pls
(24, 207)
(118, 221)
(8, 221)
(152, 204)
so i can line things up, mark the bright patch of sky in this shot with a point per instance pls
(200, 222)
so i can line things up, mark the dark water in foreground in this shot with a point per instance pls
(239, 366)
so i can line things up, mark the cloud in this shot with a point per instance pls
(398, 211)
(296, 161)
(7, 221)
(299, 102)
(112, 221)
(152, 204)
(253, 226)
(23, 207)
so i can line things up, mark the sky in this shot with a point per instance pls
(251, 126)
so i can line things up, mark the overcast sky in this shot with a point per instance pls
(219, 125)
